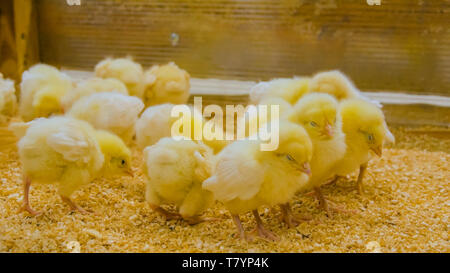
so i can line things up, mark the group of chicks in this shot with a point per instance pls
(328, 129)
(74, 132)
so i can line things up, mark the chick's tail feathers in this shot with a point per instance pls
(389, 137)
(19, 129)
(210, 183)
(9, 134)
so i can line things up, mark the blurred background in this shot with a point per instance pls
(396, 47)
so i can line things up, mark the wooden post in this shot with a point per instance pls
(26, 30)
(8, 55)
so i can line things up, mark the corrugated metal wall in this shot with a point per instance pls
(399, 45)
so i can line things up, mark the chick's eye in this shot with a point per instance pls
(370, 137)
(313, 124)
(289, 157)
(122, 162)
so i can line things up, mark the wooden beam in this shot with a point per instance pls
(399, 108)
(26, 32)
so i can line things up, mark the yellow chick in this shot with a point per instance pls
(67, 152)
(252, 116)
(156, 122)
(217, 144)
(125, 70)
(41, 90)
(113, 112)
(288, 89)
(337, 84)
(365, 130)
(246, 177)
(285, 107)
(175, 172)
(166, 84)
(317, 112)
(8, 101)
(91, 86)
(116, 153)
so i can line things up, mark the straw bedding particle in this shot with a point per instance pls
(405, 209)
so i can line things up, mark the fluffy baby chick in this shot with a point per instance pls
(91, 86)
(41, 90)
(8, 101)
(365, 130)
(113, 112)
(125, 70)
(337, 84)
(67, 152)
(252, 116)
(175, 172)
(166, 84)
(284, 106)
(156, 122)
(288, 89)
(116, 153)
(246, 178)
(317, 112)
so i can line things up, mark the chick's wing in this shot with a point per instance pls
(236, 177)
(72, 144)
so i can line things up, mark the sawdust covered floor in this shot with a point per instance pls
(405, 209)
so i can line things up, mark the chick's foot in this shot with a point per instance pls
(26, 201)
(329, 206)
(262, 231)
(289, 218)
(332, 181)
(244, 236)
(74, 206)
(359, 182)
(28, 209)
(167, 214)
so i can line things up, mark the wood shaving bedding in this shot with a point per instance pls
(405, 209)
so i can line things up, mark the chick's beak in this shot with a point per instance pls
(328, 130)
(129, 171)
(378, 150)
(306, 168)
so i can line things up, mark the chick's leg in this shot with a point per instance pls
(196, 201)
(72, 180)
(262, 231)
(322, 201)
(359, 182)
(289, 218)
(327, 205)
(167, 214)
(74, 206)
(26, 201)
(332, 181)
(238, 223)
(153, 200)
